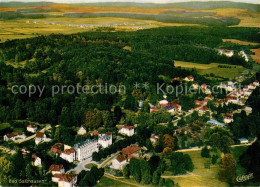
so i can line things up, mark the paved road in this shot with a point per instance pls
(108, 160)
(33, 136)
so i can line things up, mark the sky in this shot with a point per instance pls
(140, 1)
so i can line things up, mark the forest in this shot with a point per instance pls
(121, 58)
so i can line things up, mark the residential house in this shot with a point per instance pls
(57, 148)
(105, 140)
(37, 160)
(248, 110)
(243, 141)
(205, 89)
(65, 180)
(56, 169)
(85, 149)
(228, 118)
(82, 131)
(32, 127)
(127, 130)
(154, 109)
(154, 139)
(209, 97)
(189, 78)
(195, 86)
(251, 86)
(68, 154)
(14, 136)
(228, 53)
(256, 83)
(203, 110)
(163, 103)
(119, 162)
(40, 137)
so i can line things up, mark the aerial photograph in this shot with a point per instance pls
(129, 93)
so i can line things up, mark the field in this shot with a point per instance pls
(105, 181)
(240, 42)
(4, 126)
(18, 29)
(200, 176)
(256, 57)
(213, 68)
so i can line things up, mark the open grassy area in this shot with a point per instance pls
(213, 68)
(200, 176)
(237, 151)
(105, 182)
(240, 42)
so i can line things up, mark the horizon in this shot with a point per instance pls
(130, 1)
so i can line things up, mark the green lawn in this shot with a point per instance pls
(105, 182)
(4, 126)
(237, 151)
(199, 176)
(213, 68)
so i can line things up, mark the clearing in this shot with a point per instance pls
(203, 69)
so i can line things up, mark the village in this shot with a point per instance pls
(88, 151)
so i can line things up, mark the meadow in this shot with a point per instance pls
(214, 68)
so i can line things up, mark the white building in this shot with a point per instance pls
(56, 169)
(65, 180)
(243, 141)
(37, 160)
(228, 118)
(256, 83)
(189, 78)
(14, 136)
(68, 154)
(127, 130)
(228, 53)
(105, 140)
(40, 137)
(32, 127)
(82, 131)
(119, 162)
(85, 149)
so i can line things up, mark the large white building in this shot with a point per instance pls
(14, 136)
(85, 149)
(105, 140)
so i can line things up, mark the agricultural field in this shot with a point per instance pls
(256, 56)
(105, 181)
(19, 29)
(240, 42)
(203, 69)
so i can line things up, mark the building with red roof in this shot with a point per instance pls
(127, 130)
(56, 169)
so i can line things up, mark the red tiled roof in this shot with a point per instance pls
(95, 133)
(39, 135)
(34, 156)
(67, 177)
(56, 148)
(130, 150)
(69, 151)
(13, 134)
(108, 133)
(133, 156)
(121, 158)
(54, 167)
(204, 108)
(127, 127)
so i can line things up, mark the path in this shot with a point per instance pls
(122, 181)
(33, 136)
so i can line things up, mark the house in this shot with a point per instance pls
(68, 154)
(82, 131)
(163, 103)
(95, 133)
(256, 83)
(201, 103)
(248, 110)
(228, 118)
(231, 99)
(65, 180)
(203, 110)
(220, 102)
(228, 53)
(57, 148)
(244, 55)
(119, 162)
(37, 160)
(127, 130)
(40, 137)
(126, 154)
(195, 86)
(243, 141)
(176, 106)
(14, 136)
(154, 139)
(189, 78)
(85, 149)
(56, 169)
(154, 109)
(251, 86)
(209, 97)
(32, 127)
(105, 140)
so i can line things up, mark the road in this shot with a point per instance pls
(33, 136)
